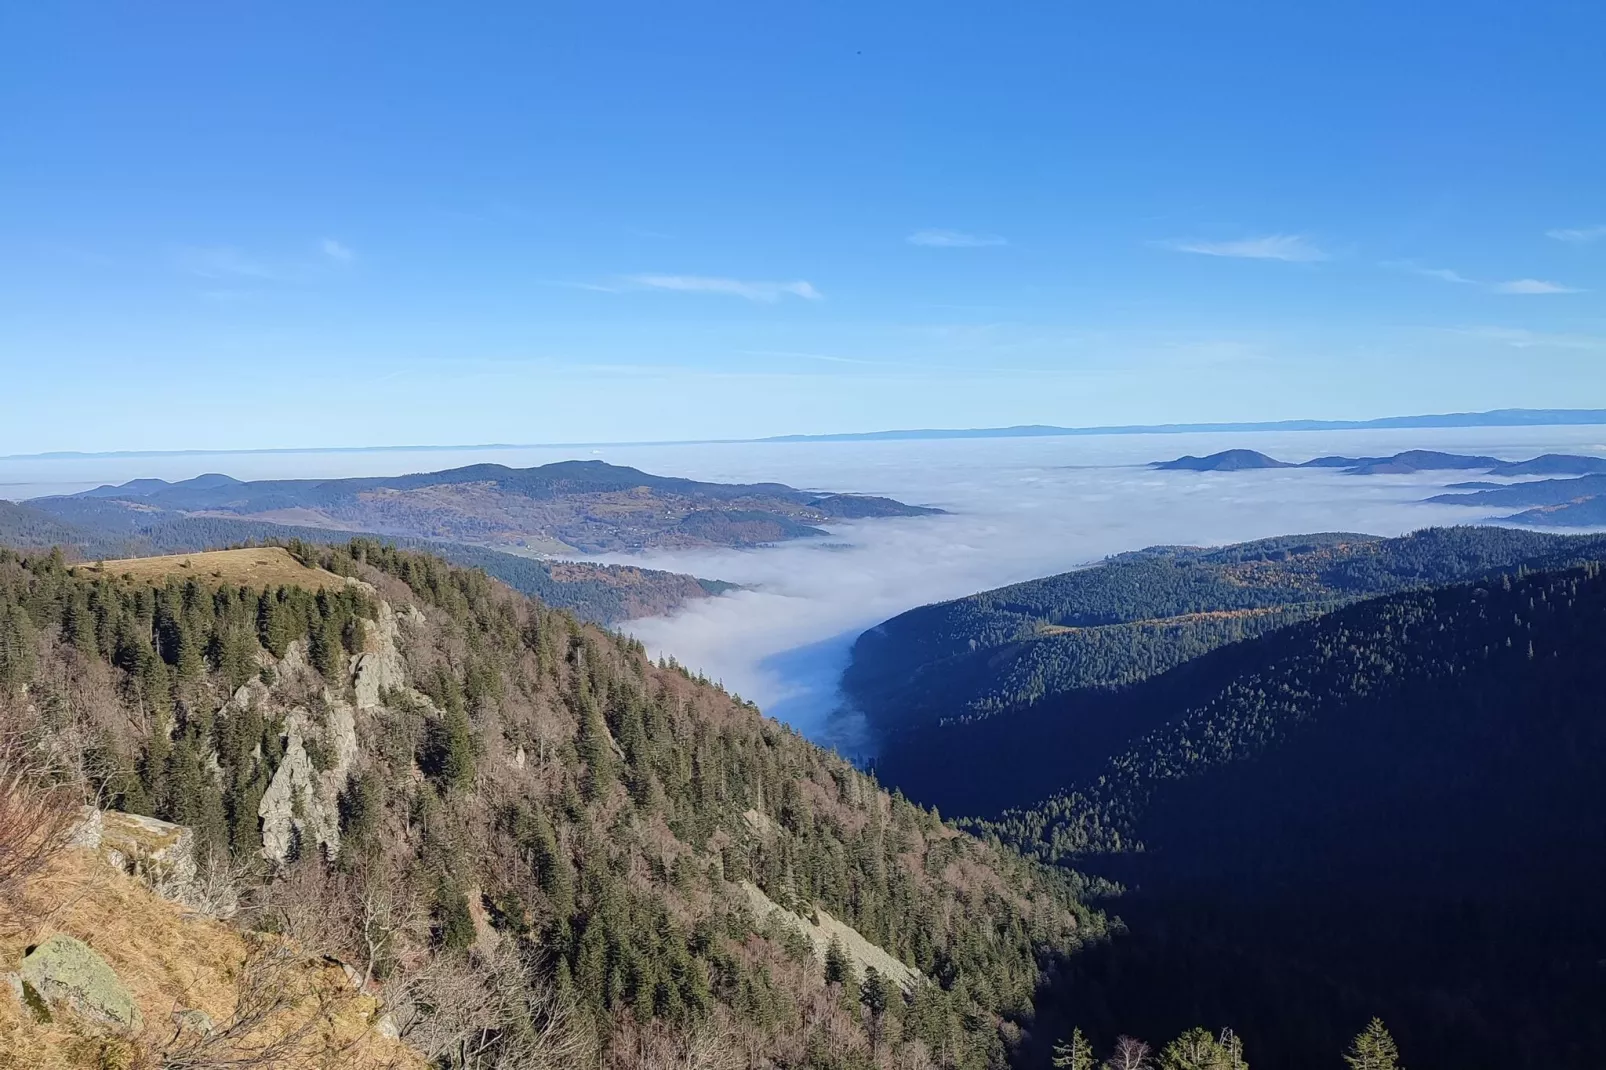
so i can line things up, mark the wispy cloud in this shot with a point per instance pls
(337, 251)
(1578, 235)
(1532, 286)
(1521, 338)
(825, 358)
(953, 239)
(752, 291)
(1513, 286)
(594, 287)
(226, 262)
(222, 262)
(1442, 274)
(1291, 247)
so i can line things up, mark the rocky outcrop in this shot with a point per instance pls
(379, 669)
(159, 853)
(296, 814)
(64, 972)
(825, 929)
(299, 810)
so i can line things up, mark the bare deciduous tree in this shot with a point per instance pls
(279, 1020)
(487, 1011)
(36, 819)
(1130, 1054)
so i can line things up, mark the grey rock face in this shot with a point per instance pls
(294, 816)
(381, 669)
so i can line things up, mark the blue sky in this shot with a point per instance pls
(255, 225)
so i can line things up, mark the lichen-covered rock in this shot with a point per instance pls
(66, 972)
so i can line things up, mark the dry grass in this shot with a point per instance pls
(255, 567)
(170, 960)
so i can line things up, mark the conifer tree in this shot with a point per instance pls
(838, 968)
(79, 626)
(449, 754)
(1196, 1049)
(596, 750)
(17, 659)
(328, 650)
(1373, 1049)
(1074, 1053)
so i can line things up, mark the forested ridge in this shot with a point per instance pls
(980, 678)
(1142, 612)
(535, 786)
(1395, 808)
(588, 506)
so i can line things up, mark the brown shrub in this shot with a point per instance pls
(36, 821)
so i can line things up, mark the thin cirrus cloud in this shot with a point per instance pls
(1511, 286)
(1294, 248)
(1532, 286)
(767, 292)
(1522, 338)
(337, 251)
(1442, 274)
(1578, 235)
(222, 262)
(953, 239)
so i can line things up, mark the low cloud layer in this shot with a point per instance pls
(1019, 509)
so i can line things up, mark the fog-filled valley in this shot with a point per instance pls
(1013, 509)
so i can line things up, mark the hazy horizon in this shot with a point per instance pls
(1017, 508)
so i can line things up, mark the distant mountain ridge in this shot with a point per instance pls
(1403, 463)
(606, 594)
(1492, 418)
(587, 506)
(1563, 503)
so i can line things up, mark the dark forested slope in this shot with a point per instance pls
(1393, 809)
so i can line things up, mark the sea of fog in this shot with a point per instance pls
(1015, 509)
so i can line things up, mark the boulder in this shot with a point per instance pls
(67, 972)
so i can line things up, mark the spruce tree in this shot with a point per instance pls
(17, 659)
(1373, 1049)
(838, 968)
(449, 750)
(1196, 1049)
(1074, 1054)
(328, 650)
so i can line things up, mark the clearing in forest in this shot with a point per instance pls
(255, 567)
